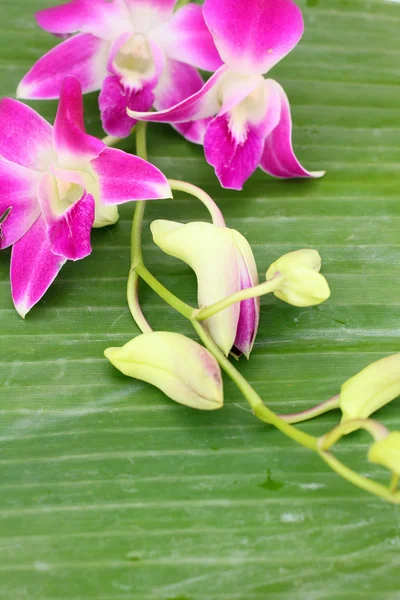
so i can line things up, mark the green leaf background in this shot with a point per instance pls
(108, 490)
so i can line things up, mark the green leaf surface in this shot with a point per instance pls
(108, 490)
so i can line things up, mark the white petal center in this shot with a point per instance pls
(134, 61)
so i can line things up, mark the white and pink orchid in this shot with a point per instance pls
(56, 184)
(253, 125)
(138, 52)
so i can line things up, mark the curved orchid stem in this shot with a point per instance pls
(311, 413)
(377, 431)
(136, 243)
(110, 140)
(182, 186)
(360, 481)
(253, 292)
(260, 410)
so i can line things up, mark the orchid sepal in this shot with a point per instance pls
(185, 371)
(224, 264)
(371, 389)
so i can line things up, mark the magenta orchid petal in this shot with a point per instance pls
(200, 105)
(234, 157)
(68, 230)
(234, 140)
(249, 312)
(186, 38)
(278, 158)
(127, 88)
(83, 56)
(124, 177)
(72, 145)
(19, 207)
(98, 17)
(33, 267)
(252, 39)
(245, 331)
(26, 138)
(114, 99)
(178, 82)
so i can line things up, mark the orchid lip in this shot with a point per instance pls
(134, 61)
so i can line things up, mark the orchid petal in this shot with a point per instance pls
(124, 177)
(101, 18)
(249, 309)
(278, 157)
(234, 140)
(68, 232)
(83, 56)
(33, 267)
(114, 99)
(186, 38)
(178, 82)
(26, 138)
(73, 146)
(252, 39)
(19, 207)
(245, 330)
(74, 182)
(148, 14)
(128, 87)
(200, 105)
(211, 253)
(233, 157)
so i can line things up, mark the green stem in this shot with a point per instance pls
(313, 412)
(134, 304)
(193, 190)
(253, 292)
(261, 411)
(375, 429)
(136, 242)
(170, 298)
(110, 140)
(362, 482)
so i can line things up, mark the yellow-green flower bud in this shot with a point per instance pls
(224, 264)
(299, 281)
(372, 388)
(178, 366)
(387, 452)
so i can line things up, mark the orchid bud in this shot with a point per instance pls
(178, 366)
(224, 264)
(372, 388)
(386, 452)
(300, 282)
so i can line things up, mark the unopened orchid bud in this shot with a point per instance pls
(386, 452)
(299, 281)
(224, 264)
(178, 366)
(372, 388)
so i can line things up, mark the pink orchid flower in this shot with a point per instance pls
(253, 125)
(138, 52)
(56, 184)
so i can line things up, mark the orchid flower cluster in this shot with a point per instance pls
(58, 182)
